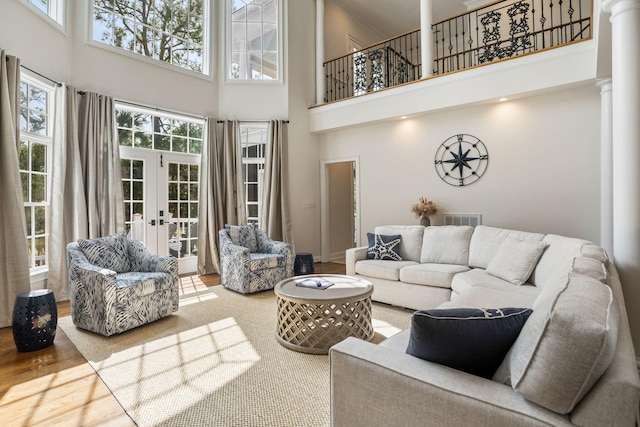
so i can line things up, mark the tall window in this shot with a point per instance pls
(54, 9)
(254, 41)
(172, 31)
(253, 140)
(36, 141)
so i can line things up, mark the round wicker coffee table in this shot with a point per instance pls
(312, 320)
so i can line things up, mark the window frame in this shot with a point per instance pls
(48, 141)
(260, 161)
(56, 16)
(229, 51)
(208, 56)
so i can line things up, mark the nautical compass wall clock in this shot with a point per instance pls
(461, 160)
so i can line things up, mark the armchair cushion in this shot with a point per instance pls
(108, 252)
(244, 235)
(262, 261)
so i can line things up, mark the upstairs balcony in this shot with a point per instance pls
(503, 30)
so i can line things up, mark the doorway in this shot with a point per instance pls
(340, 217)
(160, 191)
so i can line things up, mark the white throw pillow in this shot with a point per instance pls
(516, 259)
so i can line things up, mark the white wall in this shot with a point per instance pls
(340, 22)
(543, 174)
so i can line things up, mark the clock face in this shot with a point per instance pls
(461, 160)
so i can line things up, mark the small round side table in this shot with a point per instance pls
(35, 318)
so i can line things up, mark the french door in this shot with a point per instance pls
(160, 192)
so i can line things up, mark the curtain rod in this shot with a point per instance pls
(193, 116)
(41, 75)
(222, 121)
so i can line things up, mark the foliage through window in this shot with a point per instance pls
(36, 100)
(253, 140)
(254, 39)
(144, 129)
(172, 31)
(54, 9)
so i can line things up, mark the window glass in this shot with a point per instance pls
(52, 8)
(171, 31)
(254, 45)
(155, 131)
(253, 140)
(36, 103)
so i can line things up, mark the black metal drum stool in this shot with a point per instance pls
(35, 318)
(303, 264)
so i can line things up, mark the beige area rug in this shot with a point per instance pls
(216, 362)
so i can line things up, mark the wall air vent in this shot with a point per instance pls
(462, 219)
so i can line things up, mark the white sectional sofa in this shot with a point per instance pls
(573, 362)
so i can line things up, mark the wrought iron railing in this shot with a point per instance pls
(506, 29)
(386, 64)
(501, 30)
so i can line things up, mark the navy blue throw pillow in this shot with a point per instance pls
(468, 339)
(384, 247)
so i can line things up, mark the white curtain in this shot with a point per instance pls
(14, 264)
(221, 195)
(68, 204)
(275, 217)
(86, 198)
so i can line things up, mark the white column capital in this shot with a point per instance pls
(619, 6)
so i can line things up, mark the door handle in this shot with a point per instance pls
(161, 222)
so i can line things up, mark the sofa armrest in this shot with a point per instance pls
(375, 385)
(144, 261)
(352, 256)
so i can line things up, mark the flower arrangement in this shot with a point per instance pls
(424, 208)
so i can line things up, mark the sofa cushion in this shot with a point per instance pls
(244, 235)
(411, 239)
(110, 252)
(566, 345)
(439, 275)
(468, 339)
(384, 247)
(389, 270)
(478, 277)
(478, 297)
(557, 258)
(446, 244)
(136, 285)
(516, 259)
(486, 241)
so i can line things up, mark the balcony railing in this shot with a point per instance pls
(386, 64)
(501, 30)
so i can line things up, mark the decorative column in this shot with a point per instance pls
(426, 38)
(606, 166)
(320, 52)
(625, 61)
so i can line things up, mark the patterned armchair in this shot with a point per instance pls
(116, 284)
(250, 261)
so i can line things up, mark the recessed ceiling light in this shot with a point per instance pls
(403, 117)
(504, 99)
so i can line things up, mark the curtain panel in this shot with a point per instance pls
(221, 198)
(275, 216)
(14, 264)
(86, 200)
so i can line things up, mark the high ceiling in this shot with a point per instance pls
(393, 17)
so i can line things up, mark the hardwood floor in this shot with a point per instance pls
(56, 386)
